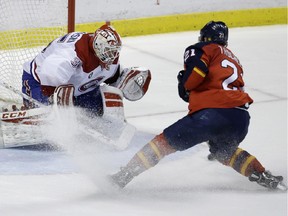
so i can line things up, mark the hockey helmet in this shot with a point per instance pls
(215, 31)
(106, 44)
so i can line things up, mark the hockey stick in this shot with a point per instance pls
(17, 115)
(21, 94)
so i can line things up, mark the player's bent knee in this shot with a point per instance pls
(161, 143)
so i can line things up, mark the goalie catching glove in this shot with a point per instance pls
(134, 82)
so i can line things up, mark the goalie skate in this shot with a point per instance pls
(266, 179)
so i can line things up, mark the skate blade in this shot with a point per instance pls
(282, 186)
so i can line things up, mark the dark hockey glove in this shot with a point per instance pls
(181, 90)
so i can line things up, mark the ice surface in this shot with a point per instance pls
(72, 181)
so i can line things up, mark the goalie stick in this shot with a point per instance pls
(19, 93)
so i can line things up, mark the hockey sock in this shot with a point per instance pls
(149, 155)
(245, 163)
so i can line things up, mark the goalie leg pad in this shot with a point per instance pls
(112, 102)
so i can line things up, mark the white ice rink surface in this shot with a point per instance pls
(51, 183)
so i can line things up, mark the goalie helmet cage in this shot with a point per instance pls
(27, 26)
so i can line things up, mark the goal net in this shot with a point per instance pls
(27, 26)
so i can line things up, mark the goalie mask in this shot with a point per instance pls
(107, 44)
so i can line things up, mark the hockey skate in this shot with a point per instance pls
(266, 179)
(121, 178)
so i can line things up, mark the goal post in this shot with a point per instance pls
(27, 26)
(71, 15)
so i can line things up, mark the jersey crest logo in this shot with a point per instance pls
(75, 62)
(91, 84)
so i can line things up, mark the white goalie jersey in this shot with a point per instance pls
(68, 60)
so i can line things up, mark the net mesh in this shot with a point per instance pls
(27, 26)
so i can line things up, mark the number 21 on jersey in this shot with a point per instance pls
(232, 78)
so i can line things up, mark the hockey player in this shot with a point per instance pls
(76, 64)
(83, 70)
(213, 85)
